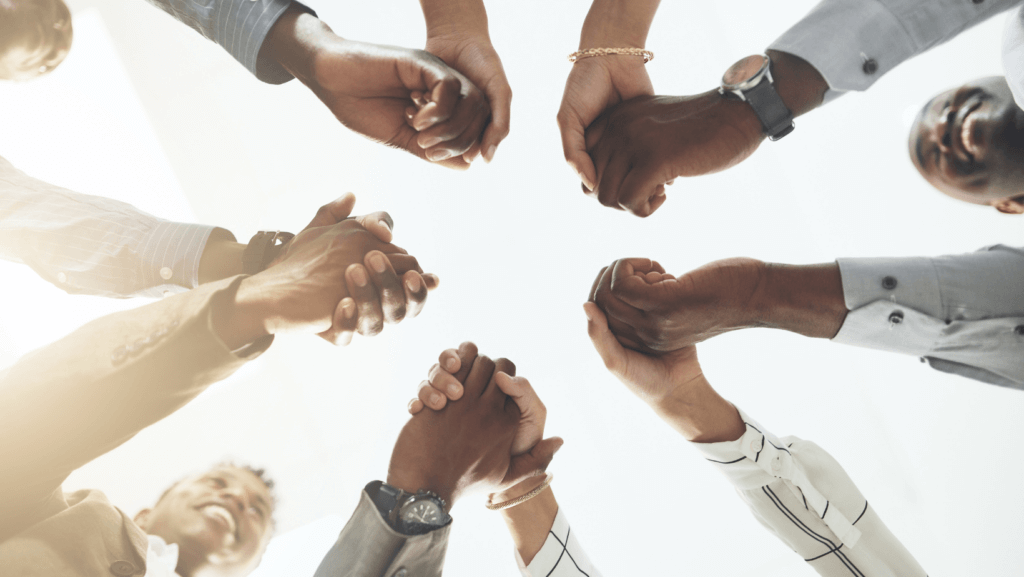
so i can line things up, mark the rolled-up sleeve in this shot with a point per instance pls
(963, 314)
(238, 26)
(853, 43)
(93, 245)
(802, 495)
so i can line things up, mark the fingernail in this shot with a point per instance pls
(359, 276)
(453, 389)
(413, 283)
(438, 155)
(385, 224)
(450, 364)
(435, 399)
(348, 309)
(377, 262)
(409, 406)
(586, 311)
(430, 142)
(489, 155)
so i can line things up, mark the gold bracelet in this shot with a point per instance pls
(522, 499)
(581, 54)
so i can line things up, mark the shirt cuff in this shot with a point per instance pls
(258, 21)
(741, 460)
(851, 43)
(169, 256)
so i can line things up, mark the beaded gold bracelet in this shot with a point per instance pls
(590, 52)
(522, 499)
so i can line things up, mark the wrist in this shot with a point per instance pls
(615, 24)
(806, 299)
(295, 41)
(243, 319)
(455, 18)
(222, 258)
(518, 490)
(799, 84)
(413, 482)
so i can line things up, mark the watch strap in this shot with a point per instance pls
(262, 249)
(776, 118)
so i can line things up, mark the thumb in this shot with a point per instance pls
(334, 212)
(612, 353)
(534, 462)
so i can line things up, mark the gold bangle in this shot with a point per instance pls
(522, 499)
(590, 52)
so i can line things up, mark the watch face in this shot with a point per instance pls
(422, 511)
(746, 73)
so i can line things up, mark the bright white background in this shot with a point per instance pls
(146, 110)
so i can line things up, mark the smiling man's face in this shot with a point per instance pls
(220, 520)
(968, 142)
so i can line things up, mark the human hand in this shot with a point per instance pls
(364, 311)
(654, 312)
(369, 87)
(595, 85)
(306, 288)
(443, 384)
(644, 144)
(466, 444)
(672, 384)
(473, 55)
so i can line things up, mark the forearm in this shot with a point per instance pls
(699, 413)
(799, 84)
(529, 523)
(293, 43)
(446, 17)
(805, 299)
(618, 24)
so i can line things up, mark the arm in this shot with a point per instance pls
(960, 312)
(597, 84)
(642, 146)
(457, 34)
(69, 402)
(92, 245)
(793, 487)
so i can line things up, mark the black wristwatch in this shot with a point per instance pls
(409, 513)
(750, 80)
(262, 249)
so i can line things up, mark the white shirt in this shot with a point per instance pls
(161, 558)
(797, 491)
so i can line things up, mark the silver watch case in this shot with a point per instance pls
(745, 75)
(425, 508)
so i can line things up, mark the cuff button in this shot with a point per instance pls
(870, 66)
(889, 283)
(896, 318)
(1019, 329)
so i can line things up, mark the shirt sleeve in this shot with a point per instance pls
(93, 245)
(238, 26)
(853, 43)
(963, 314)
(802, 495)
(561, 556)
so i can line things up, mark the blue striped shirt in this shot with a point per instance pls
(93, 245)
(239, 26)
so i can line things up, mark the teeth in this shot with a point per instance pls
(221, 512)
(966, 133)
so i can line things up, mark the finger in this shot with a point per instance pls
(597, 284)
(501, 365)
(418, 98)
(445, 382)
(403, 263)
(457, 135)
(450, 361)
(609, 179)
(384, 277)
(613, 307)
(471, 154)
(415, 406)
(431, 397)
(611, 352)
(479, 377)
(467, 356)
(638, 191)
(499, 95)
(379, 223)
(371, 317)
(442, 96)
(334, 212)
(634, 290)
(535, 462)
(520, 391)
(343, 325)
(432, 281)
(574, 146)
(415, 293)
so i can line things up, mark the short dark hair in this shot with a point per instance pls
(41, 28)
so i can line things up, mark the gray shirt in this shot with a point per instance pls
(963, 314)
